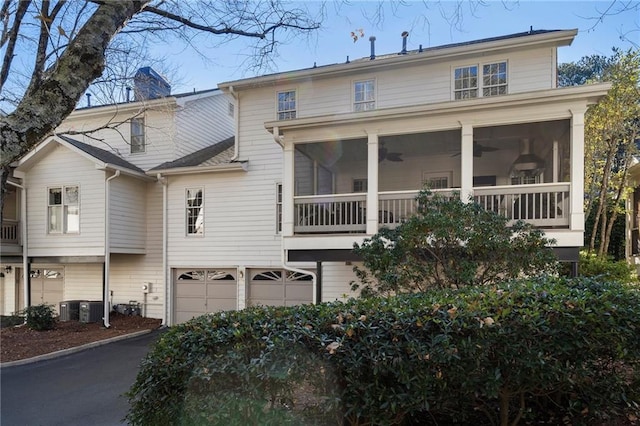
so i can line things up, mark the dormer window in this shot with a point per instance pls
(468, 84)
(364, 95)
(287, 105)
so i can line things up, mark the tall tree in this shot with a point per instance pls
(71, 41)
(612, 131)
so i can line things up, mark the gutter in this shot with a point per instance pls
(107, 248)
(168, 293)
(25, 246)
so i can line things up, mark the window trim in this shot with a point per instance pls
(64, 209)
(188, 208)
(356, 103)
(287, 114)
(143, 134)
(480, 87)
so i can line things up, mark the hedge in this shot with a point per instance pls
(523, 351)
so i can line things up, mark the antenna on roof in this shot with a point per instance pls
(404, 35)
(372, 39)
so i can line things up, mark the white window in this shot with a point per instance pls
(494, 79)
(287, 105)
(364, 95)
(137, 135)
(63, 210)
(360, 185)
(195, 211)
(467, 84)
(279, 208)
(437, 180)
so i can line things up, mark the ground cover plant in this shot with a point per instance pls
(523, 351)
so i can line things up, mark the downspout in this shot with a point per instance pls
(236, 145)
(107, 248)
(168, 293)
(25, 246)
(279, 140)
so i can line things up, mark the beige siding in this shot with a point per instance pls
(127, 229)
(159, 132)
(203, 122)
(83, 281)
(63, 167)
(130, 272)
(336, 279)
(528, 70)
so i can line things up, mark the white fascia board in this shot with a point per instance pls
(557, 38)
(124, 107)
(590, 93)
(220, 168)
(182, 100)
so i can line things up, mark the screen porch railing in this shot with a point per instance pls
(543, 205)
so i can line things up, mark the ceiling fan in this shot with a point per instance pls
(384, 154)
(478, 149)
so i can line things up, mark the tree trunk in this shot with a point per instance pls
(49, 101)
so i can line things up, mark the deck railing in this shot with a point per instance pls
(543, 205)
(10, 232)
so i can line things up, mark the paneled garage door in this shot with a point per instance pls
(199, 291)
(277, 287)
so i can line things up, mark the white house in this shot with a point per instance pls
(94, 218)
(321, 158)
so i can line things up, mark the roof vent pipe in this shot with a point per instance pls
(88, 99)
(372, 39)
(128, 94)
(405, 34)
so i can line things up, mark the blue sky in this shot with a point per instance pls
(333, 43)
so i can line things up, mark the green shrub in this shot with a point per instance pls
(532, 351)
(606, 268)
(40, 317)
(11, 320)
(449, 243)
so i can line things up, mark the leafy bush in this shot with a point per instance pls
(449, 243)
(607, 269)
(11, 320)
(532, 351)
(40, 317)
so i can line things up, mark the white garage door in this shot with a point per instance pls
(277, 287)
(199, 291)
(47, 287)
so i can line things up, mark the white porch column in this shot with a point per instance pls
(288, 182)
(576, 220)
(466, 160)
(372, 183)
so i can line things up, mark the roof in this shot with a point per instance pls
(559, 37)
(102, 155)
(216, 154)
(176, 96)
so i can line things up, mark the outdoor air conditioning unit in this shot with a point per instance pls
(70, 310)
(91, 311)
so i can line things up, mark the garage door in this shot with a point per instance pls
(277, 287)
(199, 291)
(47, 286)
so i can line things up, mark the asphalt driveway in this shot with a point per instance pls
(83, 388)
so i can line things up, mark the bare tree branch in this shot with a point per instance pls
(23, 6)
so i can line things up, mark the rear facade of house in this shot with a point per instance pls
(317, 160)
